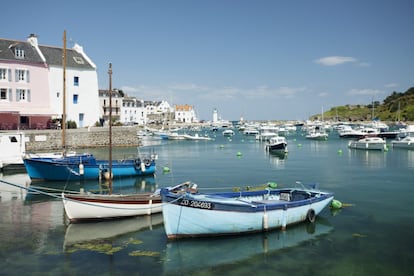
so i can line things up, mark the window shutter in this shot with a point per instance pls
(16, 75)
(10, 95)
(28, 95)
(17, 95)
(28, 75)
(10, 75)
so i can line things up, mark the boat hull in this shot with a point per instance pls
(368, 144)
(227, 214)
(89, 207)
(71, 169)
(406, 143)
(280, 147)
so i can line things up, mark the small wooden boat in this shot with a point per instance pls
(98, 206)
(188, 213)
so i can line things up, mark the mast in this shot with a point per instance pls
(110, 126)
(64, 95)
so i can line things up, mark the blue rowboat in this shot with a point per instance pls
(85, 166)
(188, 213)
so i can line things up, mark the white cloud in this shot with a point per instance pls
(264, 91)
(364, 92)
(391, 85)
(187, 87)
(335, 60)
(323, 94)
(364, 64)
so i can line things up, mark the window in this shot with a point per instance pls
(19, 53)
(3, 94)
(75, 99)
(23, 95)
(3, 74)
(76, 81)
(79, 60)
(22, 75)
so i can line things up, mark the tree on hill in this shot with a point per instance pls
(396, 107)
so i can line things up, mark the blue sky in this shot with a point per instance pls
(260, 59)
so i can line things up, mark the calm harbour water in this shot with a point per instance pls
(374, 235)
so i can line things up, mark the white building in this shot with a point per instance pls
(82, 102)
(133, 111)
(185, 114)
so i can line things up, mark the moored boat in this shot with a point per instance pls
(317, 133)
(97, 206)
(228, 132)
(188, 213)
(407, 142)
(85, 166)
(368, 143)
(277, 144)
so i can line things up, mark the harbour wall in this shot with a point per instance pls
(94, 137)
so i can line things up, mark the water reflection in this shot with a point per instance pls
(277, 158)
(47, 190)
(368, 158)
(86, 235)
(185, 256)
(405, 156)
(13, 192)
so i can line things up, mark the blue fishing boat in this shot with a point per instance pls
(86, 166)
(188, 213)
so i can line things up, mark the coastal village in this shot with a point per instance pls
(31, 91)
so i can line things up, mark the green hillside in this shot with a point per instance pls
(396, 107)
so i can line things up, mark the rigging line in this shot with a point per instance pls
(51, 189)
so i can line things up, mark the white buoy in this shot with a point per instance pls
(265, 221)
(143, 166)
(81, 169)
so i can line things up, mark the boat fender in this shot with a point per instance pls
(311, 216)
(142, 167)
(81, 169)
(265, 222)
(272, 185)
(336, 204)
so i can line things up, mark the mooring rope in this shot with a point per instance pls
(30, 189)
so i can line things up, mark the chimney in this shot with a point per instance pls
(32, 39)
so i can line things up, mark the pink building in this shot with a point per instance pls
(31, 85)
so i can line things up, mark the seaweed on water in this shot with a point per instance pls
(138, 253)
(105, 248)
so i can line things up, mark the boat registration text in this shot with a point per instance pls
(196, 204)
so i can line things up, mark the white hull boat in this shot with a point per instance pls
(368, 143)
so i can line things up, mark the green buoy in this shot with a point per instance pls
(336, 204)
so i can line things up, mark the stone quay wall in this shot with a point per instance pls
(94, 137)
